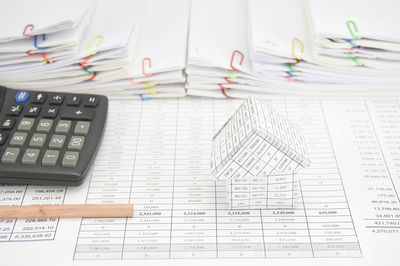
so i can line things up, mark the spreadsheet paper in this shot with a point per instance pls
(156, 155)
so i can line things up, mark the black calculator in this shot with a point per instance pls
(49, 138)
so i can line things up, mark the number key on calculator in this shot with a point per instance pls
(49, 137)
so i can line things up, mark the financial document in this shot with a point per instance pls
(156, 155)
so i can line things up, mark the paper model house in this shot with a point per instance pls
(258, 152)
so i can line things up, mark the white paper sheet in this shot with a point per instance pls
(156, 155)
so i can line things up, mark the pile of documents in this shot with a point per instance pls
(303, 47)
(117, 48)
(202, 47)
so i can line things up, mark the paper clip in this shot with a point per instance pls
(233, 57)
(352, 56)
(227, 80)
(290, 66)
(148, 86)
(47, 60)
(92, 77)
(88, 71)
(100, 37)
(143, 98)
(351, 51)
(293, 46)
(82, 63)
(26, 27)
(134, 82)
(143, 68)
(290, 78)
(229, 74)
(290, 74)
(223, 89)
(35, 42)
(29, 53)
(353, 44)
(349, 23)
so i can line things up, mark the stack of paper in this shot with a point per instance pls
(36, 36)
(158, 57)
(279, 55)
(128, 47)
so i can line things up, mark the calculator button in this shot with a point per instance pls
(77, 114)
(50, 158)
(26, 124)
(57, 142)
(15, 109)
(50, 112)
(63, 126)
(18, 139)
(70, 159)
(30, 156)
(37, 140)
(3, 137)
(7, 123)
(56, 99)
(76, 143)
(32, 111)
(10, 155)
(39, 98)
(73, 100)
(44, 125)
(91, 101)
(82, 128)
(21, 97)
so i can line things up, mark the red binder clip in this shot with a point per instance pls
(233, 57)
(143, 67)
(26, 27)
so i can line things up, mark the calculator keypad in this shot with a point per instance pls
(49, 130)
